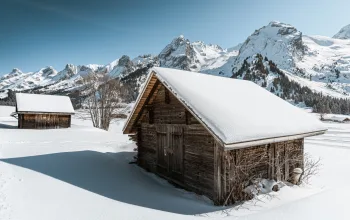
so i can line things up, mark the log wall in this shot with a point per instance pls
(43, 121)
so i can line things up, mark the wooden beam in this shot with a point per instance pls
(145, 103)
(46, 113)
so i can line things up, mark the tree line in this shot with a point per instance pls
(287, 89)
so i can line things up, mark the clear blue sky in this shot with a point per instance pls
(39, 33)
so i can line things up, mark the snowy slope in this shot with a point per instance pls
(344, 33)
(327, 60)
(323, 60)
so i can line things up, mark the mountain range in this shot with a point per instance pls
(319, 63)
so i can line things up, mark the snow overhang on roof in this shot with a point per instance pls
(43, 103)
(238, 113)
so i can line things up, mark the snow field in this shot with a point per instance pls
(84, 173)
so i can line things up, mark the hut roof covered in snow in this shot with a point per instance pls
(237, 112)
(43, 103)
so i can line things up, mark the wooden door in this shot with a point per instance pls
(175, 134)
(162, 149)
(170, 151)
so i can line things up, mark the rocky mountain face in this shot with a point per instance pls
(321, 64)
(280, 42)
(196, 56)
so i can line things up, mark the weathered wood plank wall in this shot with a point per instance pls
(237, 168)
(165, 113)
(43, 121)
(206, 167)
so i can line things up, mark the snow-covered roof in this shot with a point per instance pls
(237, 111)
(43, 103)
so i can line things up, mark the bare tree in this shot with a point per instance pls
(311, 168)
(103, 96)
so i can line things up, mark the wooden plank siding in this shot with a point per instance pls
(144, 99)
(43, 121)
(174, 145)
(235, 169)
(165, 121)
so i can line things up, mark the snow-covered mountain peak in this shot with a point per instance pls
(276, 29)
(178, 54)
(47, 71)
(282, 25)
(344, 33)
(144, 60)
(196, 56)
(278, 41)
(200, 45)
(124, 65)
(15, 71)
(70, 69)
(180, 40)
(124, 61)
(69, 66)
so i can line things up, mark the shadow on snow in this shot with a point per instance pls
(111, 175)
(7, 126)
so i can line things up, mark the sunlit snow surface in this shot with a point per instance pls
(84, 173)
(43, 103)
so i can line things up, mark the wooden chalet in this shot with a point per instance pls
(214, 135)
(43, 111)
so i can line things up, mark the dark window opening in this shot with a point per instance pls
(167, 97)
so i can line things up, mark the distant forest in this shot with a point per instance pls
(288, 89)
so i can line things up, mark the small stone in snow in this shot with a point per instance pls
(276, 188)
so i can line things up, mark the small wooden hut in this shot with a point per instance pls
(43, 111)
(214, 135)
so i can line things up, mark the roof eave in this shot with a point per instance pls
(239, 145)
(37, 112)
(137, 103)
(154, 73)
